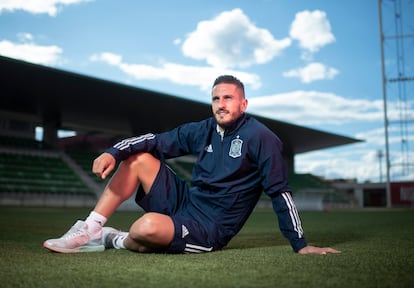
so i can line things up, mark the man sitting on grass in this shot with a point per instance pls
(238, 159)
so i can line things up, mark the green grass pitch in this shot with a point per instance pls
(377, 245)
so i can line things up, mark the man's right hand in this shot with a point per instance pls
(103, 165)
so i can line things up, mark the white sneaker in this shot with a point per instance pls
(76, 240)
(110, 234)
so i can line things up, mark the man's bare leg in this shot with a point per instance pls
(137, 169)
(152, 230)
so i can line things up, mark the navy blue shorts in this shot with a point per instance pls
(169, 195)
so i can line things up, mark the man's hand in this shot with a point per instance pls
(103, 165)
(317, 250)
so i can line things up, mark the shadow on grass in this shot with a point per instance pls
(262, 240)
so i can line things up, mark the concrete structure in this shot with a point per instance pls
(374, 194)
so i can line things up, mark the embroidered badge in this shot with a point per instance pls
(236, 147)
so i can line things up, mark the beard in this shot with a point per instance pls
(225, 119)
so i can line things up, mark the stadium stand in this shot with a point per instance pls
(33, 174)
(20, 142)
(38, 174)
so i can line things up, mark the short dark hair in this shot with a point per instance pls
(229, 79)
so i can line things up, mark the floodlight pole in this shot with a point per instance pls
(384, 96)
(380, 155)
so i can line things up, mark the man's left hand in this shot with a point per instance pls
(318, 250)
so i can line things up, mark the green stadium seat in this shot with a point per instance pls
(38, 174)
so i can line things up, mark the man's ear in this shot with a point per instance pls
(244, 104)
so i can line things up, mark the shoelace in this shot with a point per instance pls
(74, 235)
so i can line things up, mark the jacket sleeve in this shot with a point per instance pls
(275, 185)
(289, 220)
(180, 141)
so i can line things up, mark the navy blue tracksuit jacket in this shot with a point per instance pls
(231, 171)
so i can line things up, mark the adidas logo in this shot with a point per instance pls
(209, 148)
(184, 231)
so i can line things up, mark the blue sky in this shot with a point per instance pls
(312, 63)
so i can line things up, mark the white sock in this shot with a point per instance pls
(95, 222)
(118, 241)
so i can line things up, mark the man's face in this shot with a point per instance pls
(228, 103)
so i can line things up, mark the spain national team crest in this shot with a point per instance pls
(236, 147)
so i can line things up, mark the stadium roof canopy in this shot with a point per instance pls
(90, 105)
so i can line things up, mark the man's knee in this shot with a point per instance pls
(154, 229)
(144, 228)
(141, 160)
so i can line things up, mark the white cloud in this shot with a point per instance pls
(107, 57)
(31, 52)
(314, 107)
(312, 72)
(312, 30)
(50, 7)
(342, 162)
(232, 40)
(358, 161)
(377, 136)
(25, 37)
(176, 73)
(401, 110)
